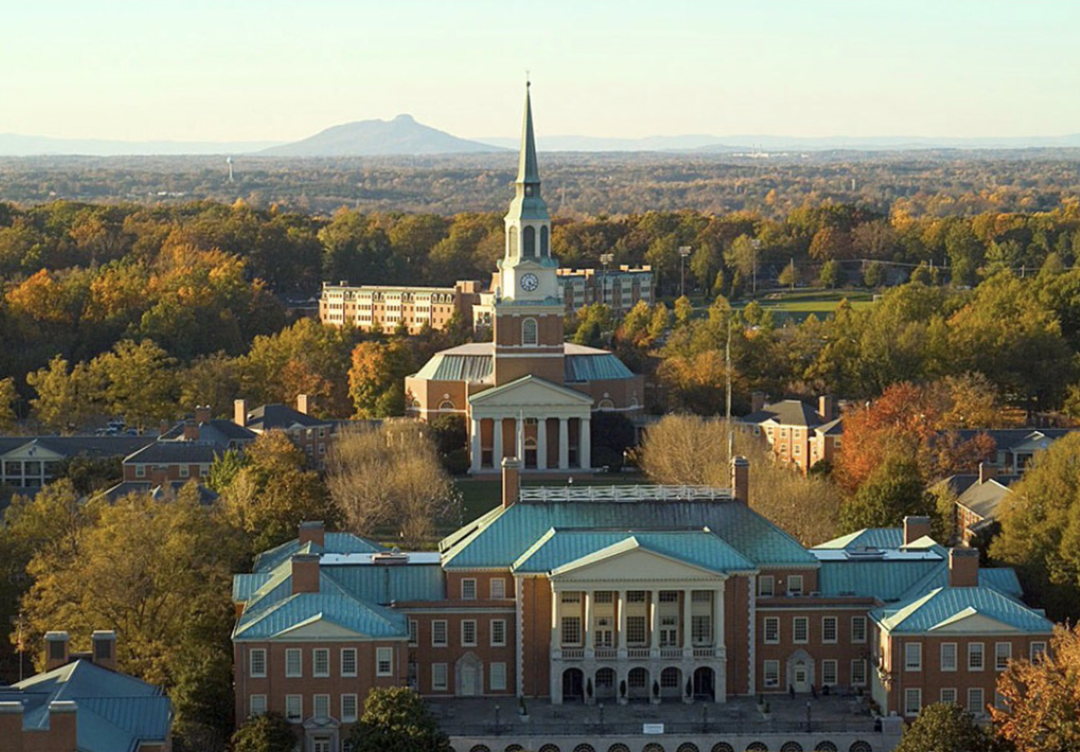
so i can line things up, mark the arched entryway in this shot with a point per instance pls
(604, 682)
(705, 683)
(469, 672)
(573, 684)
(637, 684)
(671, 684)
(800, 672)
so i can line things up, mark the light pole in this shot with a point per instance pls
(497, 718)
(684, 251)
(756, 245)
(601, 719)
(605, 259)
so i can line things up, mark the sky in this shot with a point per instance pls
(271, 70)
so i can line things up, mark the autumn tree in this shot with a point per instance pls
(789, 276)
(8, 395)
(945, 727)
(397, 719)
(377, 378)
(269, 732)
(140, 382)
(66, 397)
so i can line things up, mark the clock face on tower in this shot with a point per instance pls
(529, 282)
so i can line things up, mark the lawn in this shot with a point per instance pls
(799, 304)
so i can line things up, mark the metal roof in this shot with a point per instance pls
(983, 498)
(172, 452)
(215, 431)
(268, 417)
(473, 363)
(73, 446)
(384, 584)
(335, 543)
(942, 606)
(871, 537)
(787, 413)
(336, 608)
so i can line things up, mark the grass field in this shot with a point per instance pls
(798, 304)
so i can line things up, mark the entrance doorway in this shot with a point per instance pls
(573, 684)
(705, 684)
(800, 677)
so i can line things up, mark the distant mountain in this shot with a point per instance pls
(400, 136)
(17, 145)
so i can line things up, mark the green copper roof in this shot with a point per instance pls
(871, 537)
(336, 543)
(944, 606)
(308, 608)
(528, 171)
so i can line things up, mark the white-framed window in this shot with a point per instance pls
(800, 632)
(948, 695)
(858, 629)
(468, 633)
(384, 661)
(976, 659)
(320, 706)
(828, 629)
(294, 708)
(828, 673)
(571, 630)
(772, 673)
(1002, 655)
(257, 663)
(794, 584)
(414, 632)
(528, 331)
(497, 680)
(257, 705)
(185, 471)
(948, 656)
(320, 662)
(348, 661)
(438, 633)
(912, 701)
(766, 585)
(348, 708)
(140, 471)
(858, 672)
(701, 629)
(497, 587)
(772, 630)
(438, 677)
(976, 703)
(468, 589)
(635, 630)
(498, 633)
(1036, 651)
(294, 663)
(913, 656)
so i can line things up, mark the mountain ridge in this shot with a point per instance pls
(401, 136)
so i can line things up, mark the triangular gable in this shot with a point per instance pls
(630, 561)
(529, 391)
(970, 621)
(319, 627)
(33, 450)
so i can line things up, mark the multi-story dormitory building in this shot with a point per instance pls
(564, 590)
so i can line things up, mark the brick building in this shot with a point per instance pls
(797, 433)
(388, 306)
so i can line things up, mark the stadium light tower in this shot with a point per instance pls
(684, 251)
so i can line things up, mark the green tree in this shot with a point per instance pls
(65, 399)
(945, 727)
(831, 275)
(140, 382)
(225, 468)
(874, 276)
(397, 719)
(684, 311)
(789, 277)
(265, 733)
(893, 491)
(8, 396)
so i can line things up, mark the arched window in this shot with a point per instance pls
(511, 241)
(528, 332)
(529, 242)
(446, 405)
(606, 404)
(544, 241)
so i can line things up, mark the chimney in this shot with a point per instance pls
(62, 725)
(511, 481)
(986, 472)
(240, 412)
(104, 653)
(915, 528)
(305, 573)
(302, 403)
(202, 413)
(826, 407)
(191, 430)
(11, 726)
(312, 532)
(963, 567)
(57, 649)
(740, 479)
(757, 401)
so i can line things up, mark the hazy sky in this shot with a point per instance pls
(281, 70)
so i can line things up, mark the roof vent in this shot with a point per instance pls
(390, 558)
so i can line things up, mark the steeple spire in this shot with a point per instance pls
(528, 171)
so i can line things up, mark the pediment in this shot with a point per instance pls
(971, 621)
(320, 628)
(530, 391)
(628, 561)
(32, 451)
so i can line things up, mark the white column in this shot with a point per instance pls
(496, 443)
(621, 605)
(654, 621)
(585, 448)
(556, 624)
(718, 617)
(586, 634)
(474, 460)
(687, 639)
(564, 444)
(541, 443)
(517, 451)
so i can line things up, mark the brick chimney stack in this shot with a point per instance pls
(57, 649)
(302, 403)
(62, 725)
(312, 532)
(511, 481)
(826, 407)
(240, 412)
(11, 726)
(191, 430)
(986, 472)
(305, 573)
(740, 479)
(963, 567)
(104, 653)
(202, 413)
(915, 528)
(757, 401)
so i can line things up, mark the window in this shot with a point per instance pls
(528, 239)
(498, 588)
(635, 596)
(794, 584)
(828, 673)
(528, 332)
(257, 705)
(975, 656)
(498, 677)
(570, 596)
(1037, 650)
(669, 596)
(320, 707)
(438, 676)
(438, 633)
(948, 695)
(701, 630)
(635, 630)
(976, 705)
(468, 589)
(948, 656)
(348, 661)
(257, 663)
(294, 708)
(468, 633)
(801, 629)
(858, 672)
(912, 701)
(498, 633)
(571, 630)
(384, 661)
(1002, 655)
(828, 629)
(603, 596)
(766, 585)
(772, 673)
(414, 632)
(772, 630)
(858, 629)
(140, 471)
(320, 662)
(913, 656)
(294, 663)
(348, 708)
(185, 471)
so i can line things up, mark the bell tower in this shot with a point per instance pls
(528, 325)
